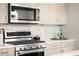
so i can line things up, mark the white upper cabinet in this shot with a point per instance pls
(61, 13)
(43, 13)
(3, 13)
(53, 14)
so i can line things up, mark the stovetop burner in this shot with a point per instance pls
(25, 42)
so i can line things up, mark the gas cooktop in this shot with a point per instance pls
(25, 42)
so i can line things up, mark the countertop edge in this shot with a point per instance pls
(55, 41)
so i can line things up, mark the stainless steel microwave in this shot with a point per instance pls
(22, 14)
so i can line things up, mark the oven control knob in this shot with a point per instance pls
(20, 48)
(40, 46)
(25, 49)
(18, 53)
(32, 47)
(37, 47)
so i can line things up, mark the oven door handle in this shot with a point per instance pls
(29, 51)
(29, 54)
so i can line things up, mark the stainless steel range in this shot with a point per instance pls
(25, 45)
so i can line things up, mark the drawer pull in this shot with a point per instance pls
(4, 52)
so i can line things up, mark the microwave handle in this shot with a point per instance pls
(37, 14)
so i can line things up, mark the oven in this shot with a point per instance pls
(25, 45)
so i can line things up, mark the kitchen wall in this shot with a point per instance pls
(45, 31)
(72, 27)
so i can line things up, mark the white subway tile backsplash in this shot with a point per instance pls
(46, 32)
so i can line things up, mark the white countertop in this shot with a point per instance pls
(6, 46)
(55, 41)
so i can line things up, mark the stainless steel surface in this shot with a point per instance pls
(29, 48)
(31, 51)
(23, 5)
(15, 14)
(25, 45)
(17, 39)
(6, 34)
(21, 21)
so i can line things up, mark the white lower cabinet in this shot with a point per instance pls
(7, 52)
(59, 47)
(68, 46)
(52, 48)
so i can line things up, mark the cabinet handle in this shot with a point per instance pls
(4, 52)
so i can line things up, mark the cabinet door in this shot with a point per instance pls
(52, 13)
(58, 47)
(7, 52)
(43, 13)
(61, 13)
(53, 48)
(68, 46)
(3, 13)
(48, 49)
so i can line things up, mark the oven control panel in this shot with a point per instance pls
(30, 47)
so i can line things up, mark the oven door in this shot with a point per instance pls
(33, 54)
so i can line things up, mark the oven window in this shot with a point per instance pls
(33, 54)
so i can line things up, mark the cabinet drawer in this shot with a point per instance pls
(7, 52)
(51, 52)
(68, 44)
(54, 44)
(66, 49)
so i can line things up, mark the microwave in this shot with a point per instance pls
(22, 14)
